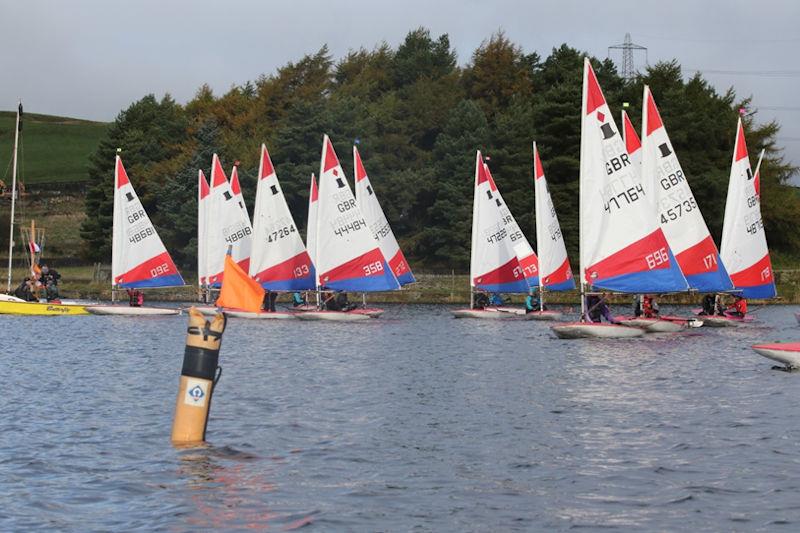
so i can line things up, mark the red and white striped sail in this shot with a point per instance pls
(744, 244)
(554, 269)
(279, 260)
(236, 189)
(494, 266)
(227, 226)
(622, 247)
(138, 256)
(347, 257)
(311, 228)
(526, 257)
(203, 192)
(678, 213)
(378, 224)
(632, 142)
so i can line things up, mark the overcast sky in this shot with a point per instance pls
(92, 58)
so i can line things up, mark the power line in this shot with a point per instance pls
(747, 41)
(628, 47)
(758, 73)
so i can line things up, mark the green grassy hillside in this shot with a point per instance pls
(53, 149)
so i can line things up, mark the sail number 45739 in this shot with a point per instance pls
(657, 258)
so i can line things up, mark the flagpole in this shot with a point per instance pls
(13, 193)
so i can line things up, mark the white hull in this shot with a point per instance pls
(544, 315)
(584, 330)
(261, 315)
(492, 314)
(334, 316)
(507, 309)
(787, 354)
(124, 310)
(207, 310)
(654, 325)
(720, 322)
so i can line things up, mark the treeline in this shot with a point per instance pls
(418, 118)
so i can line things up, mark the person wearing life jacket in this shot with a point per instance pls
(329, 302)
(135, 297)
(649, 306)
(597, 308)
(269, 300)
(496, 299)
(343, 302)
(637, 305)
(49, 280)
(739, 307)
(24, 292)
(709, 304)
(480, 301)
(533, 303)
(297, 299)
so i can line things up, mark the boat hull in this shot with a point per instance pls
(586, 330)
(334, 316)
(491, 314)
(261, 315)
(124, 310)
(544, 315)
(655, 325)
(8, 307)
(786, 353)
(721, 321)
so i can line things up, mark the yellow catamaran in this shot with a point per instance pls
(9, 304)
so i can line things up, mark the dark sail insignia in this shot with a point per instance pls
(369, 190)
(274, 189)
(608, 131)
(339, 183)
(129, 196)
(489, 194)
(665, 151)
(227, 195)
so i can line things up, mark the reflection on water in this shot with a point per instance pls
(413, 421)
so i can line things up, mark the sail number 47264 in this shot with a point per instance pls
(657, 258)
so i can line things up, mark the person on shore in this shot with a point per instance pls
(24, 291)
(739, 306)
(49, 280)
(135, 297)
(597, 308)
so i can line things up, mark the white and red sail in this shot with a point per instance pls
(279, 260)
(744, 244)
(378, 224)
(678, 213)
(346, 255)
(555, 273)
(311, 228)
(203, 192)
(622, 247)
(227, 225)
(632, 142)
(236, 189)
(138, 256)
(526, 257)
(494, 266)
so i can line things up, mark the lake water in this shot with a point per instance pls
(413, 422)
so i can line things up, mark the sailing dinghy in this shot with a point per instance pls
(345, 253)
(622, 248)
(787, 353)
(555, 271)
(494, 266)
(139, 259)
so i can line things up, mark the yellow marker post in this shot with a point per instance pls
(199, 375)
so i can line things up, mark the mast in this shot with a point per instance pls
(13, 193)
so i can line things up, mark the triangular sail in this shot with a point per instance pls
(744, 244)
(494, 266)
(311, 228)
(227, 226)
(203, 192)
(679, 215)
(622, 247)
(632, 142)
(138, 258)
(347, 256)
(279, 260)
(523, 250)
(554, 269)
(757, 174)
(378, 224)
(236, 189)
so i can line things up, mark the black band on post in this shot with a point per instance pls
(200, 363)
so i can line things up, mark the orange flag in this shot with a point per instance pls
(239, 291)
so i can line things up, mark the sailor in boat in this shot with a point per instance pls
(481, 300)
(135, 297)
(649, 306)
(712, 305)
(49, 280)
(637, 305)
(739, 307)
(496, 299)
(269, 300)
(343, 302)
(298, 299)
(25, 291)
(597, 308)
(532, 303)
